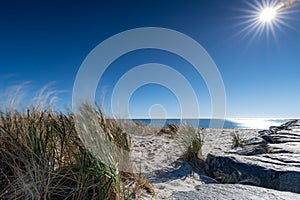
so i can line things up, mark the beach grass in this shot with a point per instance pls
(43, 156)
(236, 140)
(49, 154)
(190, 140)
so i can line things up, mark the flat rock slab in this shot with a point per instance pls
(233, 191)
(255, 170)
(272, 160)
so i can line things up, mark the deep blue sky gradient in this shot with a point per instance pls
(46, 41)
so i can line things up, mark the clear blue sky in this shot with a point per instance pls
(46, 41)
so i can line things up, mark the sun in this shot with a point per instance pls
(268, 14)
(262, 18)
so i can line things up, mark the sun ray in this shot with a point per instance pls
(262, 18)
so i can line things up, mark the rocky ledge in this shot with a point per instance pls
(236, 191)
(267, 158)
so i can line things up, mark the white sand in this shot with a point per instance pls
(158, 158)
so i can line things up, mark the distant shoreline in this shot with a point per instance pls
(237, 123)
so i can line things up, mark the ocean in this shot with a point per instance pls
(251, 123)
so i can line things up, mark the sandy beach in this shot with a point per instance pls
(162, 164)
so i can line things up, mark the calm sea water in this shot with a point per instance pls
(253, 123)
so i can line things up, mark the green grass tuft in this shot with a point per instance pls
(237, 141)
(190, 141)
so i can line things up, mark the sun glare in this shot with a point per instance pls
(268, 14)
(262, 17)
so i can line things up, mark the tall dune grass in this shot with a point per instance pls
(43, 157)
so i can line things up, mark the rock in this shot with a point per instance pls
(236, 191)
(255, 141)
(252, 150)
(281, 136)
(264, 171)
(273, 161)
(264, 132)
(269, 139)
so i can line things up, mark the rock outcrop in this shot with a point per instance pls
(230, 191)
(270, 159)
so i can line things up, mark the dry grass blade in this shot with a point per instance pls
(142, 184)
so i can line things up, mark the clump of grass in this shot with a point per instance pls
(191, 141)
(43, 156)
(237, 141)
(106, 141)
